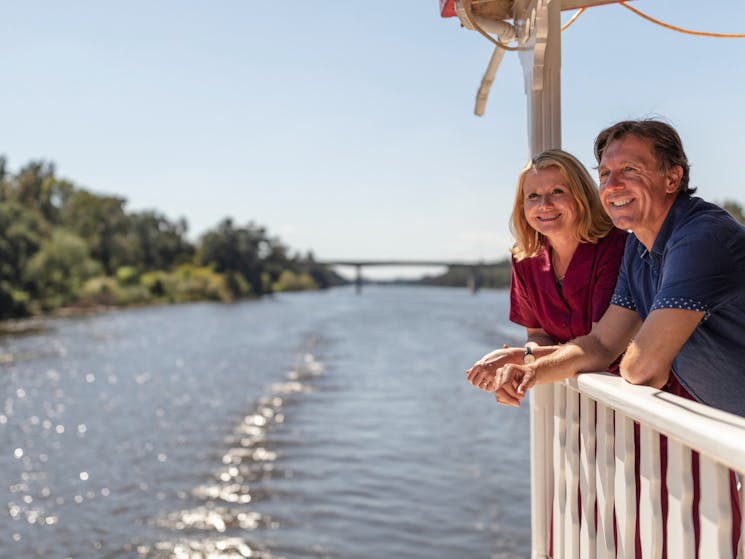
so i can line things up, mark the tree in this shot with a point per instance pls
(231, 249)
(102, 223)
(57, 272)
(36, 187)
(158, 244)
(21, 234)
(735, 210)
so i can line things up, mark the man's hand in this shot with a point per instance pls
(483, 373)
(512, 382)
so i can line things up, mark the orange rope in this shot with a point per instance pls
(573, 18)
(680, 29)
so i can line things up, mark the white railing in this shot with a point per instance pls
(582, 444)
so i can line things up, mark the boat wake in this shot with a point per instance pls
(223, 510)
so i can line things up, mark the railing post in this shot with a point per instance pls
(680, 536)
(624, 481)
(572, 512)
(587, 481)
(559, 469)
(715, 511)
(650, 508)
(541, 478)
(606, 491)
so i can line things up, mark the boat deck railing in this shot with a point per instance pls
(582, 466)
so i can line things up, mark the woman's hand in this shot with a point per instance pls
(483, 373)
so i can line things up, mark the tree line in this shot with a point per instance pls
(62, 245)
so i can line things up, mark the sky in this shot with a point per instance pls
(345, 128)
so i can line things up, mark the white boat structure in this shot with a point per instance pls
(582, 430)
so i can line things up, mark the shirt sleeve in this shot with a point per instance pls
(606, 275)
(522, 310)
(696, 274)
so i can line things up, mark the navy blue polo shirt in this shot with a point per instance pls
(698, 263)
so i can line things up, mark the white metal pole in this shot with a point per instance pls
(542, 72)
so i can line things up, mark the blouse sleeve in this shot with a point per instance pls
(522, 310)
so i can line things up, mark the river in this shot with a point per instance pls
(307, 425)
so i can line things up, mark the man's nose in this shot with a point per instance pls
(611, 180)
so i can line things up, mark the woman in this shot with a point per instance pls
(564, 263)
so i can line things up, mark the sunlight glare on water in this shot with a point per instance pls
(303, 426)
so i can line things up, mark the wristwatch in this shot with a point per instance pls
(528, 356)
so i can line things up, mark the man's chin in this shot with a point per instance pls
(622, 221)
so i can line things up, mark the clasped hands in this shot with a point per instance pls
(503, 372)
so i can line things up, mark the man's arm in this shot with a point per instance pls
(482, 373)
(650, 354)
(594, 352)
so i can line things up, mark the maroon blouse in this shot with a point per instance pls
(537, 302)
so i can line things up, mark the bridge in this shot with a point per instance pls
(472, 282)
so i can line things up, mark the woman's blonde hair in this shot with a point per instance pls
(592, 222)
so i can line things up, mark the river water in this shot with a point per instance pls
(310, 425)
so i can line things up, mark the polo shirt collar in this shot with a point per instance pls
(677, 210)
(672, 219)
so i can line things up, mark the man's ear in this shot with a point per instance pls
(673, 176)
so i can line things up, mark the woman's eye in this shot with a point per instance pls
(532, 196)
(558, 191)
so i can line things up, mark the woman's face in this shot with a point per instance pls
(549, 206)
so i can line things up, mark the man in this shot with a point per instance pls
(679, 303)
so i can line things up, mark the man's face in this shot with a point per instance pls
(634, 190)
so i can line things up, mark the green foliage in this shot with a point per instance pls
(58, 270)
(102, 223)
(158, 244)
(195, 283)
(237, 285)
(14, 303)
(735, 210)
(106, 291)
(36, 187)
(187, 283)
(21, 234)
(236, 249)
(158, 283)
(64, 245)
(127, 275)
(291, 281)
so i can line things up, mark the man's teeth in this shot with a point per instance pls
(619, 203)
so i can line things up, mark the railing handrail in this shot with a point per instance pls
(715, 433)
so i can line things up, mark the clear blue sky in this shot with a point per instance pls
(345, 127)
